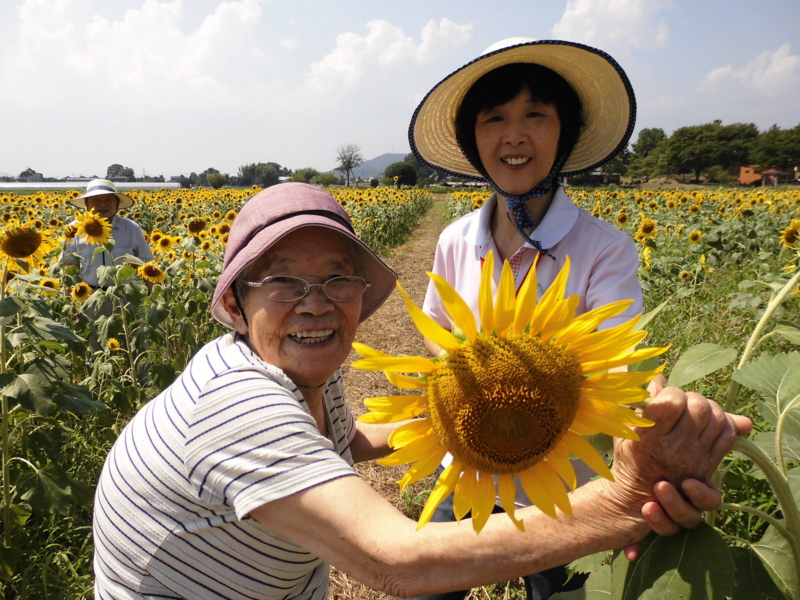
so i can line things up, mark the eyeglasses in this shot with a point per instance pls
(283, 288)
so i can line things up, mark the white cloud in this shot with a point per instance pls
(764, 92)
(386, 48)
(289, 43)
(773, 74)
(611, 24)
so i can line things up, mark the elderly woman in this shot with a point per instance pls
(238, 480)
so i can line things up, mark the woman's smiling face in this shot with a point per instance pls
(518, 141)
(309, 338)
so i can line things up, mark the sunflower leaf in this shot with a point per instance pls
(699, 361)
(777, 377)
(753, 581)
(776, 556)
(788, 331)
(649, 316)
(695, 563)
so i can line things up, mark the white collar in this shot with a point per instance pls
(557, 222)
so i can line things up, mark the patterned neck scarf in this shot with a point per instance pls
(515, 204)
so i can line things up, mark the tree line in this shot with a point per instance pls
(711, 149)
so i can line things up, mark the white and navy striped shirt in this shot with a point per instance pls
(229, 435)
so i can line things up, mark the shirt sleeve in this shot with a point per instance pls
(432, 305)
(250, 442)
(614, 277)
(141, 248)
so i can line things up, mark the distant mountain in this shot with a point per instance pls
(376, 166)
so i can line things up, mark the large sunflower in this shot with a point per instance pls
(512, 399)
(24, 242)
(94, 228)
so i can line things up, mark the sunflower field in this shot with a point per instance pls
(720, 270)
(77, 362)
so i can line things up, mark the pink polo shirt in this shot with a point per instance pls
(603, 266)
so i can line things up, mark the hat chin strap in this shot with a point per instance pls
(515, 204)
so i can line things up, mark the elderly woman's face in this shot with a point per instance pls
(518, 141)
(309, 338)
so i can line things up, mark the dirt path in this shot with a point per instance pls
(390, 329)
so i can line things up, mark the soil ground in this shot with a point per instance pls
(391, 330)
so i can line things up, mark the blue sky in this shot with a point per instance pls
(173, 86)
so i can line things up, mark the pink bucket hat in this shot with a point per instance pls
(277, 211)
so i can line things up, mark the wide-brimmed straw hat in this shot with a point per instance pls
(609, 106)
(277, 211)
(101, 187)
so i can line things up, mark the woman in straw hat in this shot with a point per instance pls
(520, 117)
(238, 480)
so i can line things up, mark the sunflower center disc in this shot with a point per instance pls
(93, 228)
(22, 245)
(501, 405)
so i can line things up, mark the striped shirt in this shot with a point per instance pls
(229, 435)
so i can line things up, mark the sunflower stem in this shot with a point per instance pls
(780, 486)
(4, 429)
(775, 301)
(128, 349)
(776, 523)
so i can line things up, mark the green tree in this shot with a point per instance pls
(655, 163)
(648, 140)
(29, 173)
(777, 148)
(348, 157)
(117, 170)
(405, 173)
(425, 174)
(304, 175)
(262, 174)
(217, 180)
(326, 179)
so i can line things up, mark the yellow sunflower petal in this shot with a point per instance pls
(405, 434)
(458, 310)
(508, 493)
(552, 295)
(506, 301)
(620, 414)
(485, 306)
(443, 488)
(398, 364)
(619, 380)
(404, 382)
(554, 486)
(394, 403)
(563, 466)
(587, 422)
(630, 395)
(526, 301)
(605, 345)
(377, 416)
(482, 502)
(561, 316)
(589, 321)
(427, 326)
(584, 450)
(367, 352)
(423, 467)
(411, 452)
(620, 360)
(536, 492)
(465, 490)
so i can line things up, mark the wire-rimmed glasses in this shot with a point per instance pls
(284, 288)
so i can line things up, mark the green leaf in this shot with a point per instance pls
(126, 272)
(31, 392)
(766, 441)
(777, 377)
(775, 554)
(699, 361)
(648, 364)
(202, 264)
(77, 399)
(9, 557)
(649, 316)
(48, 489)
(753, 582)
(105, 275)
(788, 331)
(791, 422)
(42, 328)
(695, 563)
(176, 266)
(597, 587)
(20, 513)
(588, 564)
(130, 258)
(10, 306)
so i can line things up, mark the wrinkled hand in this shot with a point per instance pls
(690, 438)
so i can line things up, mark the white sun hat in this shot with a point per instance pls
(609, 105)
(101, 187)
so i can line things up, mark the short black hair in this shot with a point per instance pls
(502, 85)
